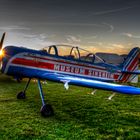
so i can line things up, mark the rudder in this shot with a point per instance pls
(130, 64)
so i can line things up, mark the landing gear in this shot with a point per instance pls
(22, 95)
(46, 109)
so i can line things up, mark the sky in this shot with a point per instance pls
(97, 25)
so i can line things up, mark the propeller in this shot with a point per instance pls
(1, 45)
(2, 39)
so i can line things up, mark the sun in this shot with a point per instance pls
(1, 53)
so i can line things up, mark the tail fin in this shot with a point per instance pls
(130, 64)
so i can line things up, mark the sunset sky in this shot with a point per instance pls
(98, 25)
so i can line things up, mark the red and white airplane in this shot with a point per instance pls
(69, 65)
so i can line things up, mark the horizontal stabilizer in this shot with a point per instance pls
(132, 72)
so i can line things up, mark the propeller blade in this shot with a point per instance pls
(2, 39)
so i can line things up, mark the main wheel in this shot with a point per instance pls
(47, 110)
(21, 95)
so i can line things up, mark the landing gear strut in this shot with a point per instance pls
(22, 95)
(46, 109)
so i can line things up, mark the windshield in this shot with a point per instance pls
(72, 52)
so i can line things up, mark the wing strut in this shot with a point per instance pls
(110, 97)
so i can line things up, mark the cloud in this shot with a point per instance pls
(42, 36)
(111, 27)
(131, 35)
(47, 43)
(29, 36)
(117, 48)
(46, 36)
(73, 39)
(96, 43)
(120, 46)
(39, 41)
(91, 37)
(112, 11)
(74, 24)
(29, 40)
(11, 28)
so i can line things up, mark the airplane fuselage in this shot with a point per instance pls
(24, 62)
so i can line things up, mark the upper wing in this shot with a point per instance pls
(95, 84)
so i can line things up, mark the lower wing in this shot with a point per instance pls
(94, 84)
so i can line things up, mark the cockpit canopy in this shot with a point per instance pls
(73, 53)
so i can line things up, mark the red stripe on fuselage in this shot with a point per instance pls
(68, 62)
(33, 63)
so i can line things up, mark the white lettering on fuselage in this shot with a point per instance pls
(83, 71)
(70, 69)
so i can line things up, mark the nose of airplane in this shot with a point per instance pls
(1, 54)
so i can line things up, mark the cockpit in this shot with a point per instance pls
(72, 53)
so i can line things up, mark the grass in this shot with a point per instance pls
(78, 115)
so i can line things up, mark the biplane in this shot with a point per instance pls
(70, 65)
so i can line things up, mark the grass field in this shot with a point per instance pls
(78, 115)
